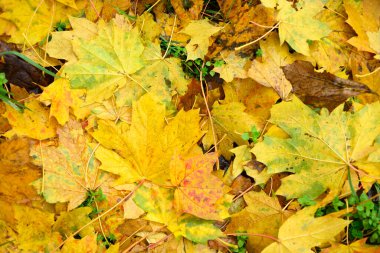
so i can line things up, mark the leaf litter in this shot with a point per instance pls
(190, 126)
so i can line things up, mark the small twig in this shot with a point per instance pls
(244, 192)
(257, 24)
(261, 37)
(151, 7)
(171, 36)
(209, 113)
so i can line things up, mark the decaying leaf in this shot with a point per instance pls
(159, 205)
(197, 189)
(70, 169)
(321, 89)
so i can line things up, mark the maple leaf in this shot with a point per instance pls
(33, 123)
(34, 230)
(332, 52)
(33, 19)
(302, 231)
(166, 74)
(61, 98)
(69, 222)
(297, 27)
(242, 157)
(263, 215)
(230, 121)
(149, 144)
(200, 31)
(257, 98)
(17, 172)
(269, 72)
(321, 148)
(358, 246)
(111, 110)
(60, 46)
(233, 68)
(197, 190)
(118, 51)
(363, 16)
(85, 244)
(70, 169)
(159, 205)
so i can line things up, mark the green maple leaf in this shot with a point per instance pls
(322, 148)
(106, 62)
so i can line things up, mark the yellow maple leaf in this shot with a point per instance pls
(263, 215)
(60, 45)
(33, 123)
(233, 68)
(358, 246)
(86, 244)
(332, 52)
(363, 16)
(268, 72)
(17, 171)
(147, 147)
(118, 51)
(200, 31)
(34, 19)
(299, 27)
(69, 222)
(230, 122)
(302, 231)
(61, 98)
(159, 205)
(34, 229)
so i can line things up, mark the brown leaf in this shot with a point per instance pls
(187, 10)
(247, 23)
(321, 89)
(21, 73)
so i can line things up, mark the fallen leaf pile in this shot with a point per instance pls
(190, 126)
